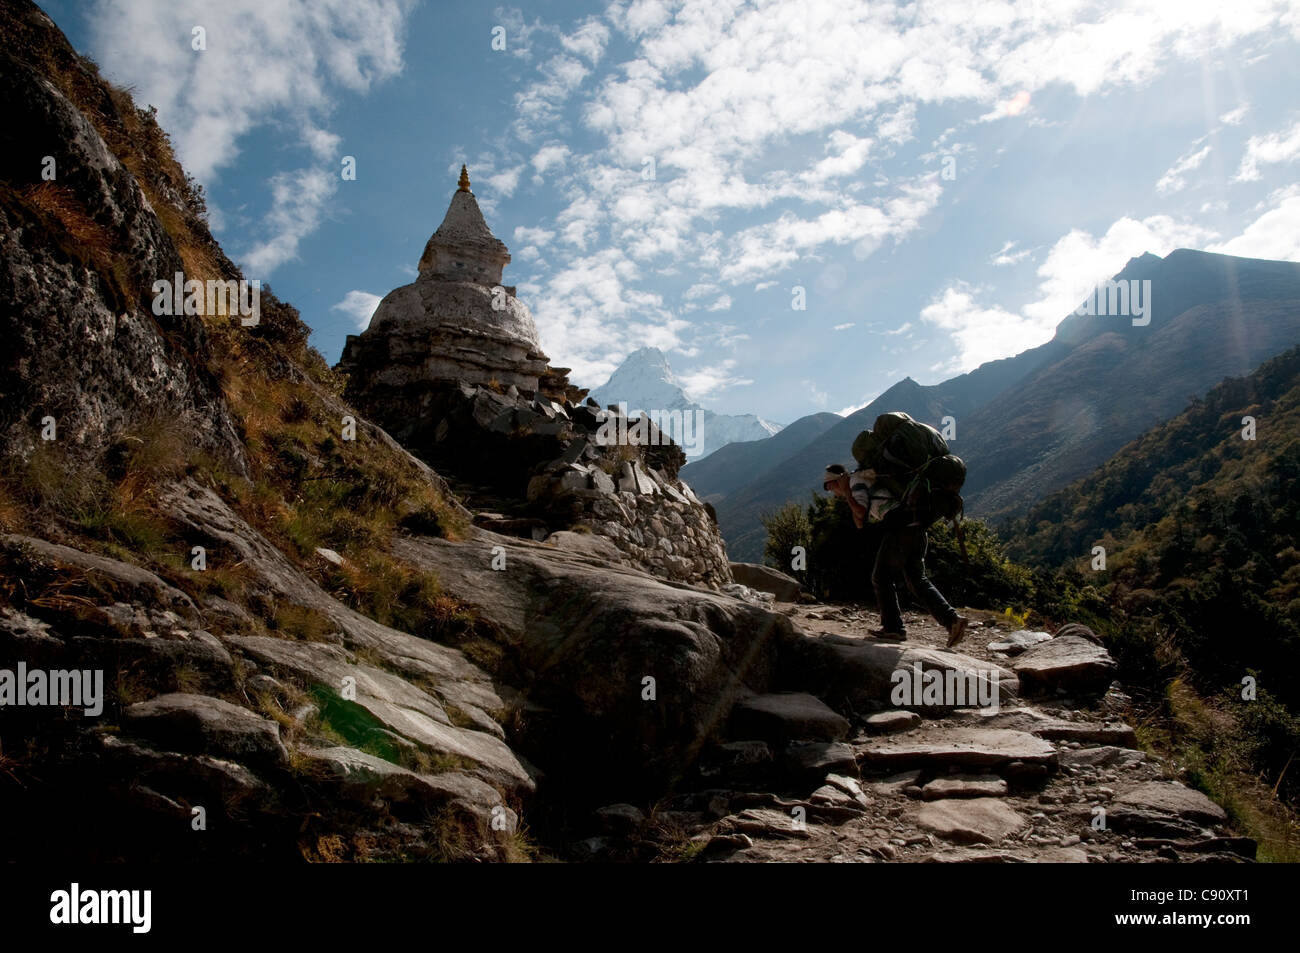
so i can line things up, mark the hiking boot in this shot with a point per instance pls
(888, 636)
(957, 631)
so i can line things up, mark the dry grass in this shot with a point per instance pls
(61, 203)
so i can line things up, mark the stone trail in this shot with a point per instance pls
(1056, 781)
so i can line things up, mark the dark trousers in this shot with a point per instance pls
(901, 559)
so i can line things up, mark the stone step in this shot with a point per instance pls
(863, 676)
(984, 855)
(1164, 809)
(985, 820)
(1049, 728)
(997, 749)
(964, 785)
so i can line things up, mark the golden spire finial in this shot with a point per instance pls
(464, 179)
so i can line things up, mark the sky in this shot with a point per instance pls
(799, 201)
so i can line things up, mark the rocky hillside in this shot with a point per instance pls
(296, 644)
(1199, 527)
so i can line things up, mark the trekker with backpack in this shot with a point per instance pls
(907, 479)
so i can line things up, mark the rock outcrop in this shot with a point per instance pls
(54, 241)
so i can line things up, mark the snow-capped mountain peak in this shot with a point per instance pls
(645, 382)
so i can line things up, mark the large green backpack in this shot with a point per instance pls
(916, 455)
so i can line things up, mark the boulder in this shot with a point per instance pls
(787, 716)
(817, 759)
(394, 704)
(588, 544)
(766, 579)
(737, 761)
(475, 807)
(1067, 664)
(444, 670)
(895, 784)
(121, 578)
(634, 674)
(200, 724)
(621, 818)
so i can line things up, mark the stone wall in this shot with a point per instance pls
(654, 520)
(535, 466)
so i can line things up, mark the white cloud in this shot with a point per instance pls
(776, 245)
(906, 326)
(588, 41)
(323, 143)
(819, 397)
(726, 98)
(1276, 147)
(707, 381)
(298, 205)
(505, 182)
(847, 155)
(264, 63)
(979, 334)
(549, 157)
(1275, 234)
(844, 327)
(898, 126)
(525, 234)
(1009, 107)
(588, 299)
(520, 34)
(853, 408)
(359, 305)
(1078, 261)
(539, 104)
(1233, 117)
(1005, 255)
(722, 304)
(1075, 264)
(701, 289)
(1172, 180)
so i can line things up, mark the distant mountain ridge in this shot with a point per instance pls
(645, 381)
(1029, 424)
(732, 466)
(1179, 469)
